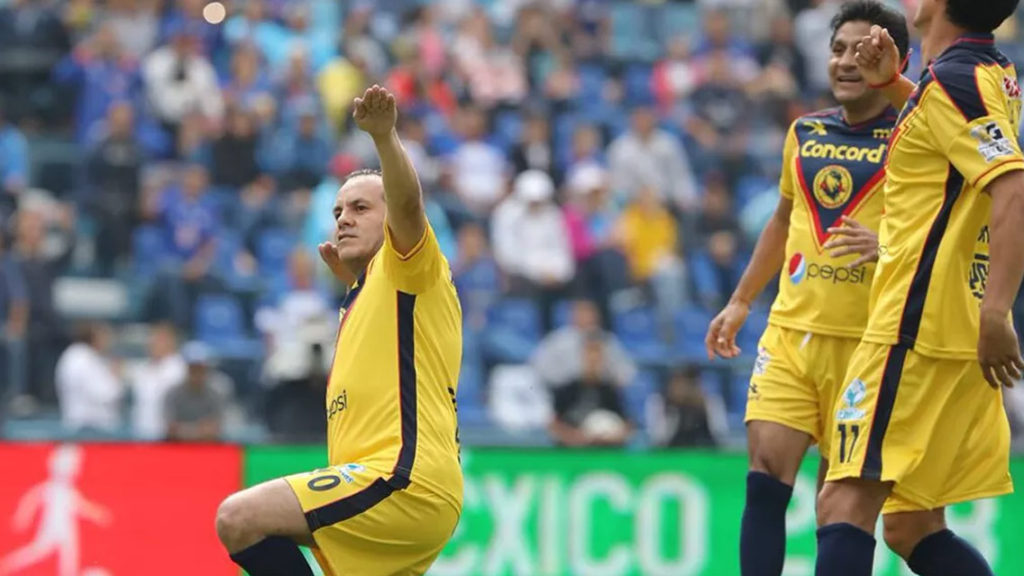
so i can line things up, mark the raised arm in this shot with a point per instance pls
(879, 62)
(376, 113)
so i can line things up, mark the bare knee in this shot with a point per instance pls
(852, 501)
(776, 450)
(233, 526)
(904, 530)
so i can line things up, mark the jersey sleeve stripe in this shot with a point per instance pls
(996, 167)
(884, 405)
(407, 389)
(963, 94)
(913, 307)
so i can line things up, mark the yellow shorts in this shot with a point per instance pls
(796, 378)
(931, 426)
(363, 526)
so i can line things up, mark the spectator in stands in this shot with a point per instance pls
(114, 167)
(720, 117)
(780, 58)
(255, 212)
(40, 269)
(99, 74)
(720, 236)
(187, 15)
(591, 224)
(648, 155)
(195, 409)
(587, 150)
(649, 237)
(13, 165)
(190, 227)
(89, 388)
(32, 40)
(476, 276)
(14, 307)
(681, 415)
(478, 168)
(531, 243)
(534, 151)
(193, 145)
(180, 80)
(249, 86)
(150, 382)
(135, 25)
(811, 29)
(234, 153)
(562, 84)
(558, 359)
(359, 40)
(494, 73)
(674, 77)
(589, 410)
(301, 318)
(340, 81)
(304, 154)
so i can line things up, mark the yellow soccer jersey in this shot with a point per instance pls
(391, 391)
(830, 169)
(956, 135)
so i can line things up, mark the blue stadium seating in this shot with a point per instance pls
(513, 331)
(563, 313)
(690, 327)
(638, 330)
(751, 332)
(273, 247)
(220, 322)
(149, 250)
(646, 383)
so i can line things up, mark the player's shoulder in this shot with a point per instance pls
(816, 123)
(967, 74)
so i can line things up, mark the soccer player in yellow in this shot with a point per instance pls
(920, 420)
(391, 495)
(833, 171)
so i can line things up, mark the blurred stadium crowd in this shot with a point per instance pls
(597, 172)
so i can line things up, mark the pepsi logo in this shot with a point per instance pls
(797, 268)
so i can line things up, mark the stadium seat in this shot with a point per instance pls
(508, 127)
(690, 327)
(646, 383)
(563, 313)
(220, 322)
(638, 330)
(751, 332)
(273, 248)
(513, 331)
(149, 250)
(677, 20)
(636, 83)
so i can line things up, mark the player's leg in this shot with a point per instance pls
(261, 528)
(847, 512)
(929, 548)
(782, 420)
(775, 455)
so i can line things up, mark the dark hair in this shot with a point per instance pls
(875, 13)
(360, 173)
(983, 17)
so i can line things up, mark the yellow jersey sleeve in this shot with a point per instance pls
(417, 271)
(971, 115)
(787, 182)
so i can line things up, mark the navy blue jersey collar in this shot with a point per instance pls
(975, 38)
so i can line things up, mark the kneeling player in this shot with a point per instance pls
(392, 493)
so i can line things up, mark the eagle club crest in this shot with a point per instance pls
(833, 186)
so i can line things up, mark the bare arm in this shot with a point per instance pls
(998, 347)
(376, 113)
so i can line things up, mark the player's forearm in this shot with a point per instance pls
(899, 91)
(401, 184)
(1006, 237)
(765, 263)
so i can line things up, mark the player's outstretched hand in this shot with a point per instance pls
(853, 238)
(375, 113)
(877, 57)
(721, 338)
(329, 254)
(999, 350)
